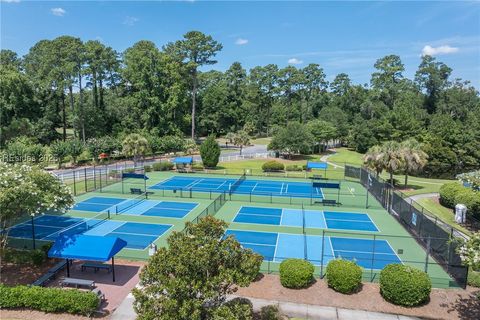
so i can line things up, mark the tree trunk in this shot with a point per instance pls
(391, 179)
(64, 117)
(72, 108)
(80, 98)
(194, 94)
(101, 94)
(94, 91)
(406, 179)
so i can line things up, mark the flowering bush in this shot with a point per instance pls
(25, 191)
(471, 179)
(469, 251)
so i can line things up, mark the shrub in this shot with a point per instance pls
(471, 199)
(48, 299)
(162, 166)
(473, 278)
(129, 170)
(197, 166)
(235, 309)
(210, 152)
(293, 167)
(296, 273)
(448, 193)
(343, 276)
(404, 285)
(272, 166)
(38, 257)
(270, 313)
(148, 168)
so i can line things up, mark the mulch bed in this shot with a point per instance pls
(444, 303)
(12, 274)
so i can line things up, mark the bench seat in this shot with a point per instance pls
(78, 282)
(40, 282)
(96, 266)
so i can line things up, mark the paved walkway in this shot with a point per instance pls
(305, 311)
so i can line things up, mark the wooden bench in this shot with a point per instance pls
(96, 266)
(78, 282)
(40, 282)
(136, 191)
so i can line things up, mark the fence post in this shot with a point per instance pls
(428, 253)
(323, 249)
(95, 178)
(85, 176)
(74, 184)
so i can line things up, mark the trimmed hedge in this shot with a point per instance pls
(20, 256)
(148, 168)
(49, 299)
(293, 167)
(453, 193)
(272, 166)
(162, 166)
(405, 286)
(343, 276)
(296, 273)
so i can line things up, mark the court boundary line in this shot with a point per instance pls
(136, 233)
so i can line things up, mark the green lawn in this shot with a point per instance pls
(262, 141)
(345, 155)
(441, 212)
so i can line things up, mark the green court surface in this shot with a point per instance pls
(352, 196)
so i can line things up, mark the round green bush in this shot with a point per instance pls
(272, 166)
(405, 286)
(471, 199)
(448, 193)
(343, 276)
(162, 166)
(296, 273)
(293, 167)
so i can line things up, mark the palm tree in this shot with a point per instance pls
(134, 145)
(373, 159)
(241, 139)
(414, 157)
(392, 158)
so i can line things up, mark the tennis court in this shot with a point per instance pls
(305, 218)
(276, 247)
(242, 186)
(48, 227)
(137, 206)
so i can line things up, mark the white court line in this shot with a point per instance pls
(256, 184)
(195, 182)
(276, 246)
(350, 190)
(281, 189)
(222, 184)
(286, 189)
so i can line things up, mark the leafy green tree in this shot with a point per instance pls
(414, 158)
(432, 76)
(241, 139)
(210, 152)
(26, 191)
(59, 150)
(295, 138)
(75, 149)
(230, 136)
(136, 146)
(393, 159)
(197, 49)
(322, 131)
(192, 276)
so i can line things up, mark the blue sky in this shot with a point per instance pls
(340, 36)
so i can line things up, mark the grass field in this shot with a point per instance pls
(346, 155)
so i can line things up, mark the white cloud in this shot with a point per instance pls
(10, 1)
(295, 61)
(433, 51)
(59, 12)
(130, 21)
(241, 41)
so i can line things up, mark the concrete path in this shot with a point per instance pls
(305, 311)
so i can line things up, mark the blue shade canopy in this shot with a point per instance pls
(184, 160)
(316, 165)
(83, 247)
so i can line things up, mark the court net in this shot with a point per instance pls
(124, 206)
(86, 224)
(237, 183)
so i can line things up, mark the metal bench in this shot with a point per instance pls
(96, 266)
(40, 282)
(136, 191)
(326, 202)
(78, 282)
(59, 266)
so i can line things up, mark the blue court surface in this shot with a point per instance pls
(313, 218)
(135, 206)
(276, 247)
(254, 187)
(47, 227)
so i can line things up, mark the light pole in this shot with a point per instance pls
(33, 231)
